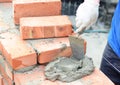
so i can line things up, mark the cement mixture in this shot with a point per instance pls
(69, 69)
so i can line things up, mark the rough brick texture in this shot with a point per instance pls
(18, 53)
(96, 78)
(33, 77)
(45, 27)
(36, 77)
(5, 1)
(33, 8)
(49, 49)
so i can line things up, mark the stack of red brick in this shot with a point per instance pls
(20, 59)
(37, 19)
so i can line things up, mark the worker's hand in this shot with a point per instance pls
(86, 15)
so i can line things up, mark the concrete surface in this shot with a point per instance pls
(95, 41)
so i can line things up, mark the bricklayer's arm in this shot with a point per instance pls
(87, 14)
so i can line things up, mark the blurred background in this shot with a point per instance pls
(106, 9)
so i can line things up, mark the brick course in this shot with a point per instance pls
(36, 77)
(34, 8)
(45, 27)
(49, 49)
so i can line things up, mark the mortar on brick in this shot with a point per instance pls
(69, 69)
(47, 52)
(22, 70)
(33, 77)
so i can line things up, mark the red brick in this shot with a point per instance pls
(18, 53)
(34, 8)
(5, 1)
(47, 82)
(45, 27)
(65, 52)
(7, 72)
(36, 77)
(96, 78)
(49, 49)
(33, 77)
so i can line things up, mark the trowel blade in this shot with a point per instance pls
(77, 46)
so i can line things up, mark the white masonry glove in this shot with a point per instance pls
(86, 15)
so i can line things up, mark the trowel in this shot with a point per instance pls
(77, 46)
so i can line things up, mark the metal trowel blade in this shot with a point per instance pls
(77, 46)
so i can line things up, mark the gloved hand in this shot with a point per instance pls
(86, 15)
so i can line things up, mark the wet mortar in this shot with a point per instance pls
(69, 69)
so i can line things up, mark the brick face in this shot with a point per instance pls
(33, 77)
(30, 8)
(45, 27)
(49, 49)
(5, 1)
(36, 77)
(97, 78)
(18, 53)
